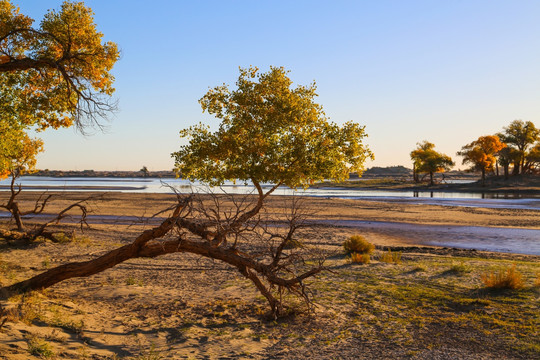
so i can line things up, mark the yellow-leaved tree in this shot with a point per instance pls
(61, 69)
(427, 160)
(271, 134)
(55, 75)
(481, 154)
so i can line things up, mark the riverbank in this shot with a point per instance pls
(431, 305)
(526, 185)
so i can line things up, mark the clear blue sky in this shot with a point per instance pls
(443, 71)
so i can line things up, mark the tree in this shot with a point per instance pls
(54, 76)
(18, 157)
(426, 159)
(521, 135)
(145, 171)
(270, 133)
(533, 159)
(61, 69)
(481, 154)
(507, 156)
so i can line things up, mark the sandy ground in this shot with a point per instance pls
(180, 306)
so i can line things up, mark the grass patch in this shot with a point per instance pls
(132, 281)
(64, 238)
(460, 268)
(39, 347)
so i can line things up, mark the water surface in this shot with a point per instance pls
(153, 185)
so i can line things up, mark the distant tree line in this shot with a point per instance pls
(515, 151)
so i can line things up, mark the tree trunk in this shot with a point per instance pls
(91, 267)
(76, 269)
(506, 166)
(431, 182)
(14, 209)
(483, 177)
(515, 169)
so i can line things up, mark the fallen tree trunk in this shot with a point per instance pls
(91, 267)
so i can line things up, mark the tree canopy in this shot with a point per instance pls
(481, 153)
(17, 152)
(59, 71)
(270, 133)
(427, 160)
(520, 135)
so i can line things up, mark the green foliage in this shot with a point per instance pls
(358, 244)
(269, 133)
(521, 134)
(39, 347)
(64, 238)
(62, 320)
(509, 278)
(460, 268)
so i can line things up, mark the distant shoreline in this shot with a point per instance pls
(525, 185)
(113, 174)
(521, 185)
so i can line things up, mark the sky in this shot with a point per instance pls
(443, 71)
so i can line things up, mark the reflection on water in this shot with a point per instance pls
(153, 185)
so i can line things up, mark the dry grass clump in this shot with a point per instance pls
(537, 281)
(509, 278)
(391, 257)
(360, 258)
(358, 244)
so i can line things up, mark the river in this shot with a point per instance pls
(153, 185)
(525, 241)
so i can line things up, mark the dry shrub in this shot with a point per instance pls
(537, 281)
(360, 258)
(508, 278)
(358, 244)
(391, 257)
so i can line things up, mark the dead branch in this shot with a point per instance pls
(40, 231)
(203, 225)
